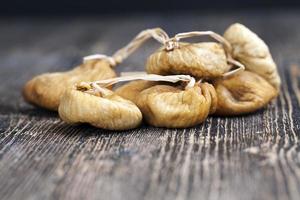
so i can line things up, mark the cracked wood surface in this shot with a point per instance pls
(248, 157)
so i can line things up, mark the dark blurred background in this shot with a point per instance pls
(98, 7)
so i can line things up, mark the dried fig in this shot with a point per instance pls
(252, 51)
(207, 59)
(243, 93)
(101, 108)
(46, 89)
(173, 107)
(202, 60)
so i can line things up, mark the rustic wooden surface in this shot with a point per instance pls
(250, 157)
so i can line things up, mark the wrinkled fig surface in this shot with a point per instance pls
(46, 89)
(103, 110)
(172, 107)
(132, 89)
(206, 59)
(243, 93)
(252, 51)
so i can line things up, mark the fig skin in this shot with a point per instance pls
(206, 59)
(171, 107)
(45, 90)
(132, 89)
(253, 52)
(106, 110)
(243, 93)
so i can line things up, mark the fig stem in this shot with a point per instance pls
(157, 33)
(148, 77)
(240, 68)
(212, 34)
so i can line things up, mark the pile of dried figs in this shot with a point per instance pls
(184, 83)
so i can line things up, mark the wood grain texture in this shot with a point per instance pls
(249, 157)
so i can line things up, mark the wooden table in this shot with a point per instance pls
(248, 157)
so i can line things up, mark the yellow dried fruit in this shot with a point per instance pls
(252, 51)
(243, 93)
(102, 109)
(46, 89)
(173, 107)
(207, 59)
(132, 89)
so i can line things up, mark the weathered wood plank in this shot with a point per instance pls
(249, 157)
